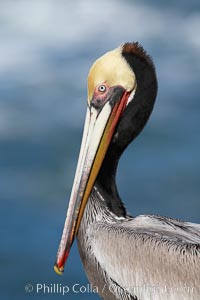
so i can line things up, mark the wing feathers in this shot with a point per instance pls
(150, 251)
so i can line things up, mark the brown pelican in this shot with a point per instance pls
(144, 257)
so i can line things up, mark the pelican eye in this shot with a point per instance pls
(102, 88)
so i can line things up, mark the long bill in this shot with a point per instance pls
(98, 131)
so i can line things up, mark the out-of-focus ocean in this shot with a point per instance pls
(47, 48)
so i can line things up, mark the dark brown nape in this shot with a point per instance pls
(132, 121)
(139, 109)
(136, 49)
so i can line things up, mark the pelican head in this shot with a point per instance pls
(118, 85)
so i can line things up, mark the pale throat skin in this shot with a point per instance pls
(102, 71)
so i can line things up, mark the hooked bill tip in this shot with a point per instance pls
(58, 270)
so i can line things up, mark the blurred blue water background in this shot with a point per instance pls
(47, 48)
